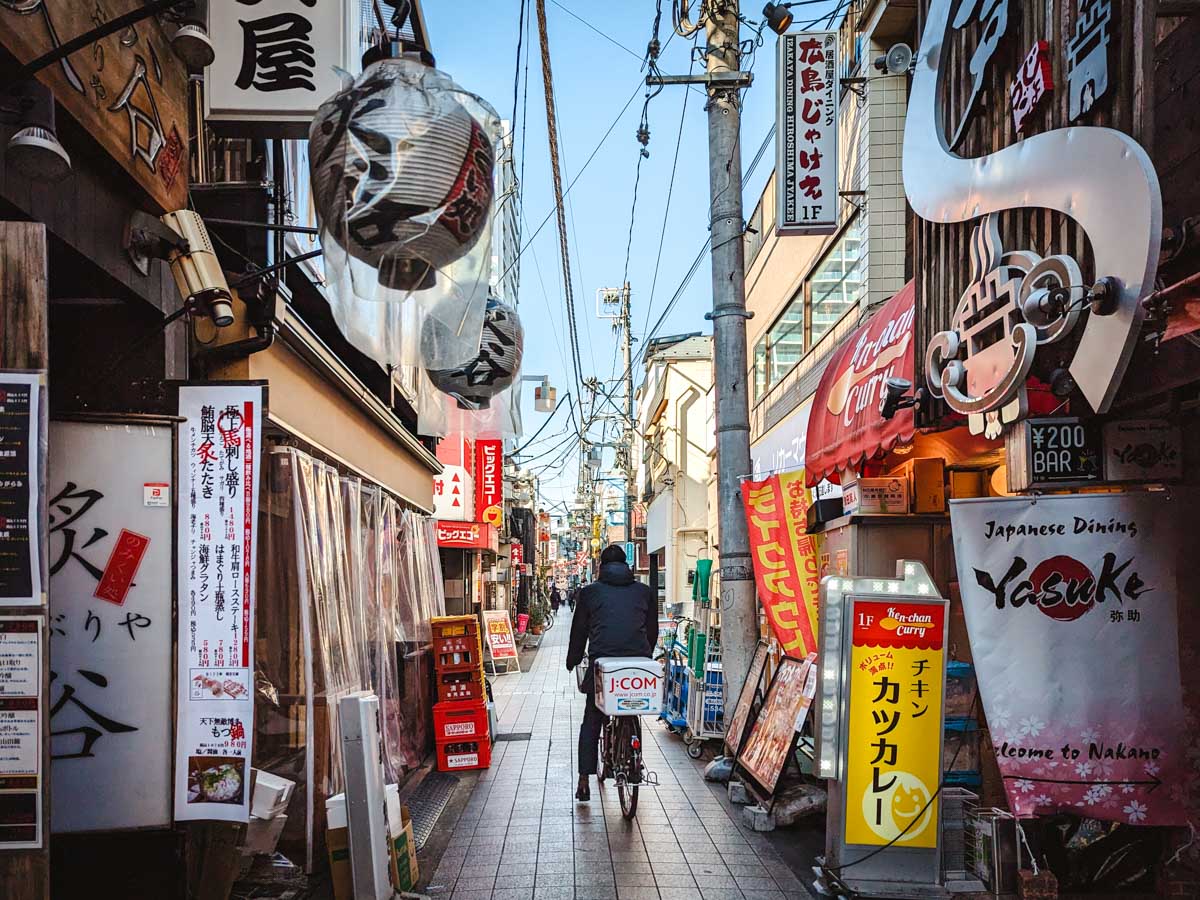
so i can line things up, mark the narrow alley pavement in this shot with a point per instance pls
(522, 836)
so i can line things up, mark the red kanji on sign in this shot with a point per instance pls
(122, 566)
(1032, 82)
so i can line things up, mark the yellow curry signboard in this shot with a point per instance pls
(894, 750)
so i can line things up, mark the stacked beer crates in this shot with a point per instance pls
(460, 715)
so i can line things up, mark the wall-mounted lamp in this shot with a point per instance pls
(34, 151)
(778, 16)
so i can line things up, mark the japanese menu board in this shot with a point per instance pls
(894, 753)
(20, 564)
(219, 468)
(765, 753)
(500, 638)
(20, 732)
(806, 150)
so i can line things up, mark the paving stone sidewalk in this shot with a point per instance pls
(522, 836)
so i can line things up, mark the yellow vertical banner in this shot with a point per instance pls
(894, 745)
(803, 546)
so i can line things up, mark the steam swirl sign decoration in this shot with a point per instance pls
(1067, 602)
(1110, 189)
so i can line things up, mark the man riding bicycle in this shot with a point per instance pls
(616, 615)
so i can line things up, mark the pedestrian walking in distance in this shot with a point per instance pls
(615, 615)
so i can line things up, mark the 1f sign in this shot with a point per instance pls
(276, 61)
(806, 148)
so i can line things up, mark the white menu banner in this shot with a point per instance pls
(219, 463)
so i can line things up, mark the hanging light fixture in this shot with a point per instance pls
(34, 150)
(494, 367)
(402, 172)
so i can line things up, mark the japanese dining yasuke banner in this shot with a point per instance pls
(219, 461)
(1070, 605)
(785, 558)
(894, 743)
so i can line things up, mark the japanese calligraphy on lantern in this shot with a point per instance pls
(1032, 82)
(21, 714)
(785, 559)
(127, 90)
(806, 142)
(275, 61)
(111, 591)
(219, 463)
(20, 475)
(894, 744)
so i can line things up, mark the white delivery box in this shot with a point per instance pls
(629, 686)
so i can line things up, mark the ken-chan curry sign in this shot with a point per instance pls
(1070, 604)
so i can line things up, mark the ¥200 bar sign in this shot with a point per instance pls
(1052, 453)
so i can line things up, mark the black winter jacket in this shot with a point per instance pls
(615, 616)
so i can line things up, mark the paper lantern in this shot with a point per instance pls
(475, 383)
(402, 173)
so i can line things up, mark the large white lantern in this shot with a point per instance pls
(491, 370)
(402, 172)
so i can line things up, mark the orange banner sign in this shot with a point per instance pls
(785, 558)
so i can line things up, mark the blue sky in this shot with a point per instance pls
(593, 79)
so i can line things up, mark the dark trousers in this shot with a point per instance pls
(589, 736)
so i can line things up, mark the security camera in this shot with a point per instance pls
(181, 238)
(893, 399)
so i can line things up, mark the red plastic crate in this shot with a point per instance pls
(455, 756)
(454, 626)
(457, 654)
(463, 720)
(460, 685)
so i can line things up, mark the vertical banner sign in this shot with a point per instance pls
(499, 634)
(21, 713)
(219, 463)
(20, 562)
(785, 559)
(112, 580)
(276, 61)
(489, 482)
(1071, 609)
(806, 143)
(894, 750)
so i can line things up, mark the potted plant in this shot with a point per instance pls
(537, 620)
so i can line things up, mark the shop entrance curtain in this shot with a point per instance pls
(351, 582)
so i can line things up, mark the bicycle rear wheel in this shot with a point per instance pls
(628, 740)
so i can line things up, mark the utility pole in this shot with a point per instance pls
(630, 487)
(724, 80)
(739, 609)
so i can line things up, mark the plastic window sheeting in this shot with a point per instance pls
(353, 580)
(283, 733)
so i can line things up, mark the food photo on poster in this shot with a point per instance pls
(1071, 608)
(768, 745)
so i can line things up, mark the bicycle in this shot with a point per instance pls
(621, 759)
(636, 686)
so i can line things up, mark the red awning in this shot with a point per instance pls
(845, 425)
